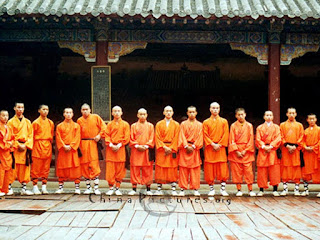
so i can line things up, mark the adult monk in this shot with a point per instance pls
(216, 133)
(68, 141)
(43, 129)
(311, 141)
(23, 134)
(91, 126)
(190, 142)
(241, 152)
(6, 148)
(292, 138)
(141, 139)
(166, 139)
(268, 140)
(117, 136)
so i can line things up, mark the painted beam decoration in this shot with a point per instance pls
(288, 51)
(163, 36)
(117, 49)
(86, 49)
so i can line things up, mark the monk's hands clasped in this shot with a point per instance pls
(308, 149)
(21, 147)
(216, 146)
(67, 148)
(291, 149)
(97, 138)
(189, 149)
(141, 148)
(167, 150)
(239, 154)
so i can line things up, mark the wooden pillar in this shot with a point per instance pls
(274, 81)
(102, 53)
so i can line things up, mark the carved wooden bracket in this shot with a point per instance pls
(288, 51)
(117, 49)
(86, 49)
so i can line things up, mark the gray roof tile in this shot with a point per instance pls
(169, 8)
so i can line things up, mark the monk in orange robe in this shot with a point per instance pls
(190, 142)
(6, 148)
(23, 134)
(166, 139)
(43, 129)
(292, 138)
(241, 152)
(268, 140)
(141, 139)
(216, 134)
(92, 127)
(117, 136)
(311, 141)
(68, 141)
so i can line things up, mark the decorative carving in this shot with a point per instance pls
(162, 36)
(288, 51)
(86, 49)
(302, 38)
(117, 49)
(259, 51)
(101, 30)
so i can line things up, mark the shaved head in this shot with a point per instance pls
(268, 112)
(214, 104)
(117, 108)
(168, 108)
(142, 110)
(86, 105)
(291, 109)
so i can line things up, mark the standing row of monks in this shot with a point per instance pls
(26, 151)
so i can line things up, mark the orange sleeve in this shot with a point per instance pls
(259, 142)
(282, 128)
(182, 141)
(132, 136)
(107, 133)
(199, 141)
(29, 142)
(158, 142)
(316, 146)
(59, 140)
(250, 144)
(206, 138)
(225, 136)
(300, 138)
(102, 125)
(174, 144)
(150, 142)
(232, 145)
(76, 137)
(52, 130)
(277, 141)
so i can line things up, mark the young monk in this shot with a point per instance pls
(292, 138)
(311, 141)
(268, 140)
(91, 126)
(190, 142)
(68, 141)
(216, 134)
(23, 134)
(166, 139)
(241, 152)
(117, 136)
(43, 129)
(141, 139)
(6, 148)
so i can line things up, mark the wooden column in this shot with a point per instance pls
(102, 53)
(274, 81)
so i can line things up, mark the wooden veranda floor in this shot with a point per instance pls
(71, 216)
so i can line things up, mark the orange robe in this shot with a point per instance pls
(291, 132)
(189, 163)
(241, 138)
(215, 163)
(166, 165)
(42, 149)
(6, 138)
(311, 170)
(141, 134)
(116, 132)
(268, 163)
(23, 133)
(90, 127)
(68, 163)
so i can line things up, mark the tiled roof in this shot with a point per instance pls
(157, 8)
